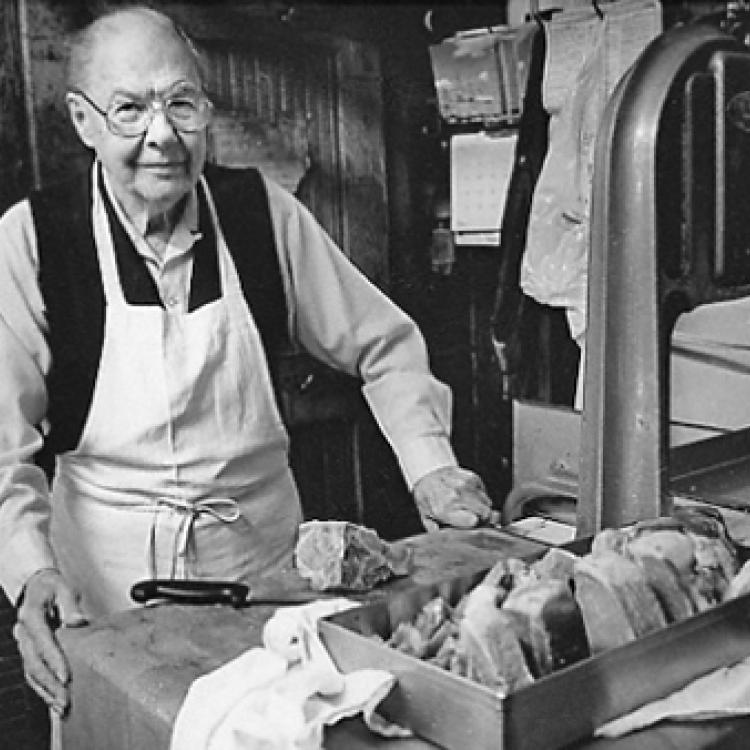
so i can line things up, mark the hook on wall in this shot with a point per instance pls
(597, 9)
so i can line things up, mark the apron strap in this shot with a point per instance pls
(223, 509)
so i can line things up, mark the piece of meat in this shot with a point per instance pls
(407, 639)
(483, 596)
(509, 572)
(740, 583)
(424, 636)
(489, 650)
(610, 540)
(494, 587)
(342, 555)
(432, 616)
(615, 600)
(707, 587)
(697, 547)
(488, 647)
(667, 539)
(607, 625)
(671, 544)
(714, 548)
(556, 564)
(446, 656)
(670, 588)
(715, 564)
(554, 634)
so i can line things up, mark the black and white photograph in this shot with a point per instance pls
(374, 375)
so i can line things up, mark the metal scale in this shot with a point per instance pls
(670, 230)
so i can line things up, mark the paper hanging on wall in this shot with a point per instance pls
(481, 166)
(467, 77)
(480, 75)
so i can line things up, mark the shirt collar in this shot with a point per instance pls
(184, 235)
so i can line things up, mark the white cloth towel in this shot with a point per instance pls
(721, 694)
(280, 696)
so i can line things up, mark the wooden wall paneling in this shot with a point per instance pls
(320, 188)
(284, 101)
(55, 147)
(14, 148)
(362, 149)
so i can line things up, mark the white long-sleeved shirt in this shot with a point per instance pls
(335, 314)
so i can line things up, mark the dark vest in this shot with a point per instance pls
(71, 285)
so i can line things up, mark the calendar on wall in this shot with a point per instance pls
(481, 166)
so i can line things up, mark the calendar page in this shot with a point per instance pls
(481, 165)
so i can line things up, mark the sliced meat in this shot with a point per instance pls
(714, 548)
(490, 651)
(556, 564)
(667, 543)
(610, 540)
(554, 634)
(671, 591)
(607, 625)
(740, 583)
(509, 572)
(615, 600)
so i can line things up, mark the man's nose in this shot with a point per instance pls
(160, 128)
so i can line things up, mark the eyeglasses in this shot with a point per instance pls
(186, 109)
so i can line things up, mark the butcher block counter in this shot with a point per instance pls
(131, 671)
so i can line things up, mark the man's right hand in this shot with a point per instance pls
(47, 603)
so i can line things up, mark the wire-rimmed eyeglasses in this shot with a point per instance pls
(186, 108)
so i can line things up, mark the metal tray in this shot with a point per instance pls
(556, 710)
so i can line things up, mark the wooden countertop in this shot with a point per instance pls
(132, 670)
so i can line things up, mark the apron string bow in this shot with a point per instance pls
(224, 509)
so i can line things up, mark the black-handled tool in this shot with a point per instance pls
(215, 592)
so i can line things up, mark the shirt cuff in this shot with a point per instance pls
(25, 555)
(423, 455)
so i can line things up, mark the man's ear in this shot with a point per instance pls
(80, 116)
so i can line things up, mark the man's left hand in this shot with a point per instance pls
(451, 496)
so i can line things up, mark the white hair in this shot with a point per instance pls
(84, 43)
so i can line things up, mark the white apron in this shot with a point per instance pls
(182, 466)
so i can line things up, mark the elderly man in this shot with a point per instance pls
(137, 312)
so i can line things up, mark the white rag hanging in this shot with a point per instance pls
(281, 696)
(721, 694)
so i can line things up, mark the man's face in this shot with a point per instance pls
(153, 171)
